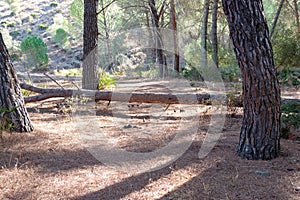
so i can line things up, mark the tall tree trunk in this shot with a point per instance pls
(297, 16)
(158, 38)
(151, 51)
(260, 132)
(204, 34)
(90, 45)
(276, 18)
(107, 36)
(10, 93)
(214, 33)
(175, 38)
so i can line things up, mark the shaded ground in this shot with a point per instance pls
(52, 163)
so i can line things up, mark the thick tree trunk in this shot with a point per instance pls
(260, 132)
(175, 38)
(204, 34)
(90, 45)
(214, 33)
(158, 38)
(10, 93)
(276, 18)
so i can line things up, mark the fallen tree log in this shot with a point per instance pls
(137, 97)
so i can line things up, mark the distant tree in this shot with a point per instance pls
(276, 18)
(261, 127)
(204, 34)
(10, 93)
(157, 37)
(90, 45)
(175, 37)
(214, 33)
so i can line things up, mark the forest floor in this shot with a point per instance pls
(53, 162)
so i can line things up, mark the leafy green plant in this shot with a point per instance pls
(43, 26)
(230, 73)
(5, 123)
(287, 76)
(290, 118)
(60, 36)
(36, 52)
(191, 73)
(106, 81)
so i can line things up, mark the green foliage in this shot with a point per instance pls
(5, 123)
(76, 13)
(286, 48)
(43, 26)
(53, 4)
(288, 76)
(106, 81)
(290, 118)
(60, 36)
(230, 73)
(191, 73)
(36, 52)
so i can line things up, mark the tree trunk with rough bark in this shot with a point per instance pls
(90, 45)
(260, 132)
(204, 34)
(214, 33)
(10, 93)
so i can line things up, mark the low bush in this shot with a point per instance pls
(35, 51)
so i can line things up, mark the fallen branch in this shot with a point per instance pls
(137, 97)
(160, 98)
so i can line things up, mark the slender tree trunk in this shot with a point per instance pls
(214, 33)
(158, 38)
(276, 18)
(297, 16)
(175, 38)
(90, 45)
(260, 132)
(151, 51)
(10, 93)
(204, 34)
(107, 36)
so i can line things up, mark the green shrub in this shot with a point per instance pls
(60, 36)
(287, 76)
(36, 52)
(290, 118)
(191, 73)
(106, 81)
(43, 26)
(230, 73)
(5, 123)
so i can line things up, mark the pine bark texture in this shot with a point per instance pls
(10, 93)
(90, 45)
(260, 132)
